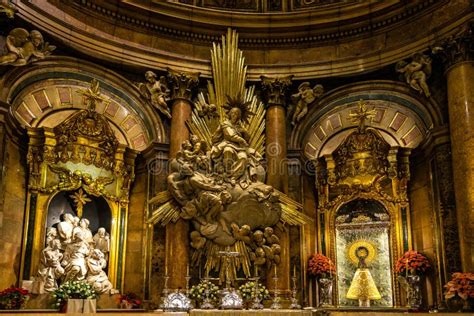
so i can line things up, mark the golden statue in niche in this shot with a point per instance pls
(362, 287)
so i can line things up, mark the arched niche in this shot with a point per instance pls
(79, 158)
(97, 211)
(49, 91)
(363, 223)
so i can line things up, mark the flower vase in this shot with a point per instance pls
(74, 306)
(455, 304)
(90, 306)
(325, 292)
(414, 299)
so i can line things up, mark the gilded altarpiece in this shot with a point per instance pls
(362, 200)
(81, 158)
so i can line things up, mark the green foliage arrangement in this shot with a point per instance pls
(198, 292)
(73, 290)
(247, 291)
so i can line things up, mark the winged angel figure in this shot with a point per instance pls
(73, 180)
(217, 179)
(416, 72)
(156, 92)
(305, 96)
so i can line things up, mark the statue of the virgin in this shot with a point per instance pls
(363, 287)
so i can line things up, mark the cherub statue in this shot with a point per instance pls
(270, 237)
(416, 72)
(157, 92)
(24, 47)
(197, 241)
(303, 98)
(242, 233)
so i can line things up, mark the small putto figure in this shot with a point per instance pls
(157, 92)
(303, 98)
(23, 47)
(416, 72)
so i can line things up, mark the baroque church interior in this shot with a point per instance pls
(272, 157)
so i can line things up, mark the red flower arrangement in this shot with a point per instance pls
(461, 284)
(13, 298)
(129, 301)
(320, 266)
(412, 261)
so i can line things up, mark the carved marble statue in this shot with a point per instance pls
(74, 262)
(416, 72)
(86, 232)
(51, 234)
(65, 228)
(102, 241)
(305, 96)
(221, 190)
(23, 47)
(83, 257)
(50, 269)
(96, 275)
(157, 92)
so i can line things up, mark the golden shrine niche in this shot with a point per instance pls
(362, 200)
(82, 158)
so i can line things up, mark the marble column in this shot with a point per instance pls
(275, 90)
(457, 52)
(177, 234)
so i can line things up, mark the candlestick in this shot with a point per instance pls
(294, 271)
(187, 270)
(406, 268)
(275, 269)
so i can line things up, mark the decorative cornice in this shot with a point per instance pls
(310, 64)
(208, 22)
(275, 89)
(182, 83)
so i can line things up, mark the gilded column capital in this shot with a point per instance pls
(275, 89)
(182, 83)
(457, 48)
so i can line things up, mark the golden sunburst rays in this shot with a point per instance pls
(168, 210)
(292, 211)
(363, 248)
(230, 75)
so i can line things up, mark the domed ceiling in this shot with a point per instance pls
(308, 38)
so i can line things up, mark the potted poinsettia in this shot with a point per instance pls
(13, 298)
(411, 267)
(460, 290)
(412, 262)
(129, 301)
(322, 268)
